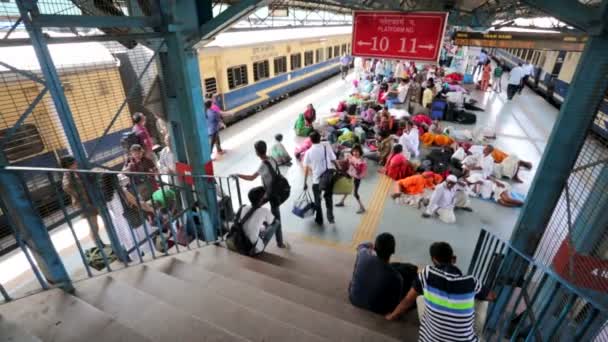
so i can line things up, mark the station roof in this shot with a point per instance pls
(228, 39)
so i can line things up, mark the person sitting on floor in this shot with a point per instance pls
(490, 188)
(385, 146)
(411, 190)
(435, 292)
(378, 285)
(447, 197)
(397, 166)
(261, 226)
(506, 165)
(410, 140)
(278, 151)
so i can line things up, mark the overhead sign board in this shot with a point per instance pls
(398, 35)
(522, 40)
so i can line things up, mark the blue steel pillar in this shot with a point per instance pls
(588, 87)
(32, 231)
(29, 10)
(185, 103)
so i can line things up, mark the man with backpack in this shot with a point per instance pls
(254, 225)
(275, 185)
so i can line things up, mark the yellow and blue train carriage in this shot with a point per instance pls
(250, 69)
(553, 72)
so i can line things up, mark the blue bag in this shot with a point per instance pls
(304, 206)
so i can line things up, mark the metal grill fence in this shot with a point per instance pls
(534, 303)
(575, 242)
(151, 215)
(104, 83)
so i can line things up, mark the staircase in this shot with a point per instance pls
(209, 294)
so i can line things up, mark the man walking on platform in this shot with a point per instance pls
(515, 77)
(318, 160)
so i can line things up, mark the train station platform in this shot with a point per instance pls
(522, 127)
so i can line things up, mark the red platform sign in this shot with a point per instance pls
(398, 35)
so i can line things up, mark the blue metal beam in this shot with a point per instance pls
(24, 73)
(125, 101)
(224, 20)
(588, 87)
(23, 117)
(182, 80)
(56, 20)
(30, 230)
(571, 12)
(29, 12)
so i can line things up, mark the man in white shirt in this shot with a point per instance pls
(447, 196)
(515, 77)
(528, 70)
(318, 159)
(410, 140)
(261, 225)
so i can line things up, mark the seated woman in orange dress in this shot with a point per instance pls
(397, 166)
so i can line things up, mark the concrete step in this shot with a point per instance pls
(11, 332)
(279, 308)
(205, 304)
(251, 272)
(147, 315)
(55, 316)
(218, 257)
(321, 250)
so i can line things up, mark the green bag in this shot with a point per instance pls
(95, 258)
(343, 186)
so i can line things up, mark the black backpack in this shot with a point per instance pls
(279, 188)
(237, 236)
(129, 139)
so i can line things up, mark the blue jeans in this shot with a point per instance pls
(391, 102)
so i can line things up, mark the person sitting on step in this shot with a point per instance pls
(377, 284)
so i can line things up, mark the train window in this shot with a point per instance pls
(308, 58)
(336, 51)
(237, 76)
(25, 142)
(280, 65)
(296, 61)
(319, 55)
(343, 48)
(210, 85)
(329, 52)
(348, 48)
(261, 70)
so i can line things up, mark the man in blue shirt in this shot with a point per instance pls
(214, 123)
(344, 65)
(481, 61)
(378, 285)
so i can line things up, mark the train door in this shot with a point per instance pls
(557, 67)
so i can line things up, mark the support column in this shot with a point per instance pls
(29, 10)
(32, 231)
(185, 103)
(569, 133)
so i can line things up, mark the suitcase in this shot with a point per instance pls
(438, 108)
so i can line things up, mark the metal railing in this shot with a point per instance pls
(106, 220)
(533, 302)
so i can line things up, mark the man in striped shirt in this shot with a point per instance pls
(448, 303)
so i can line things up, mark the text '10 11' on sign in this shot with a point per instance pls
(398, 35)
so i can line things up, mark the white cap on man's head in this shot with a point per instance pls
(452, 179)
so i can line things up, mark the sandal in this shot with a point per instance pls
(339, 204)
